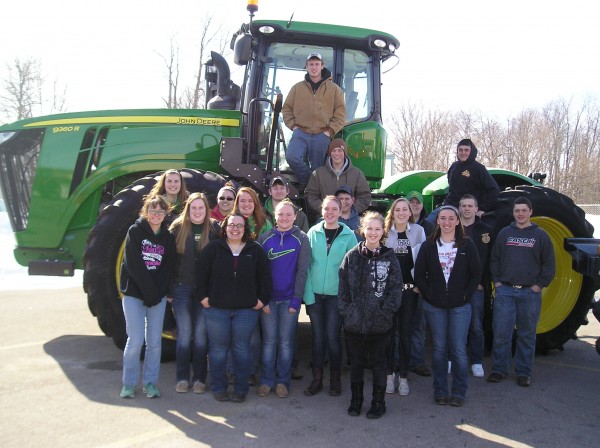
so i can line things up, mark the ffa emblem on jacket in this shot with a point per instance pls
(485, 238)
(466, 173)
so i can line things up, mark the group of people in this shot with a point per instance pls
(237, 274)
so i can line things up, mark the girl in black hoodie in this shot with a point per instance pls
(146, 275)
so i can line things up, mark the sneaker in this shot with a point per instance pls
(421, 370)
(456, 402)
(127, 392)
(263, 390)
(281, 390)
(494, 378)
(151, 390)
(199, 387)
(403, 388)
(389, 387)
(442, 401)
(182, 387)
(221, 396)
(477, 370)
(237, 398)
(524, 381)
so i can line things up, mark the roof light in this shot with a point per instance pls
(380, 43)
(266, 29)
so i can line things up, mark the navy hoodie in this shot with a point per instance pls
(471, 177)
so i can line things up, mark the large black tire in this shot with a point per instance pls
(104, 251)
(566, 302)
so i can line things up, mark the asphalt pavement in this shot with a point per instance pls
(61, 377)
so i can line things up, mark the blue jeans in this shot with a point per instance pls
(302, 145)
(192, 340)
(278, 335)
(142, 323)
(520, 306)
(449, 329)
(230, 329)
(476, 336)
(325, 322)
(417, 337)
(255, 349)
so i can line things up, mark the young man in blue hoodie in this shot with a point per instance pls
(521, 264)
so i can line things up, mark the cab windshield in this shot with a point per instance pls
(284, 66)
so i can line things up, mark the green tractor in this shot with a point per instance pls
(73, 183)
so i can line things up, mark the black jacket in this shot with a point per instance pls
(370, 291)
(473, 178)
(185, 271)
(230, 287)
(481, 234)
(149, 262)
(463, 281)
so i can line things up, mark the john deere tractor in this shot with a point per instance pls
(73, 183)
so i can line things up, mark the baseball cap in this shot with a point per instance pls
(344, 189)
(414, 195)
(278, 179)
(314, 56)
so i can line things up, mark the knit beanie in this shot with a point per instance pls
(337, 143)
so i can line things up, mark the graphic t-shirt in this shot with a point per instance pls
(404, 253)
(447, 255)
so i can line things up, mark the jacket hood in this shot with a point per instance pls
(325, 75)
(473, 154)
(145, 226)
(346, 167)
(532, 226)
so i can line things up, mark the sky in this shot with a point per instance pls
(495, 57)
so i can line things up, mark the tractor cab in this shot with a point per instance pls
(274, 55)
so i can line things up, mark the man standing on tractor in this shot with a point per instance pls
(315, 110)
(522, 263)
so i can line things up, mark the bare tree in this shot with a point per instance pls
(559, 139)
(22, 88)
(172, 65)
(24, 94)
(192, 97)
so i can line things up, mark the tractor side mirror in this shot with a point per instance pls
(242, 49)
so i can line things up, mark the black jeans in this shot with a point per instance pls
(399, 349)
(368, 351)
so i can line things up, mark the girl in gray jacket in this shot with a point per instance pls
(370, 291)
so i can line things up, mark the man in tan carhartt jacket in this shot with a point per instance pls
(315, 110)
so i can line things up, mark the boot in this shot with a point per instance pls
(335, 382)
(378, 402)
(316, 384)
(357, 399)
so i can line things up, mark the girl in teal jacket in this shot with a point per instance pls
(329, 242)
